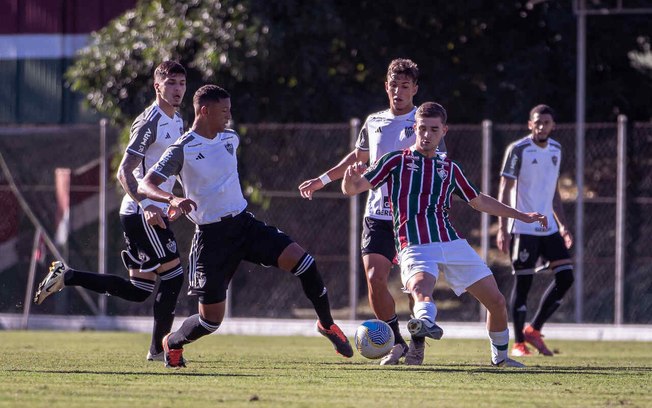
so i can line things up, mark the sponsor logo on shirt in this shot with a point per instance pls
(143, 143)
(412, 166)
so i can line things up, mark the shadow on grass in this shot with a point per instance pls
(129, 373)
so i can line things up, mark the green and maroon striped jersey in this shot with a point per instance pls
(420, 191)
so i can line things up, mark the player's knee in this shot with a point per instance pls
(564, 277)
(141, 289)
(377, 277)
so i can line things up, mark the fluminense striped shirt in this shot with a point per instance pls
(420, 191)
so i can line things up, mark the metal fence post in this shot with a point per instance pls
(354, 236)
(101, 242)
(487, 130)
(621, 195)
(579, 163)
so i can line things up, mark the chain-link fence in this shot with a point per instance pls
(274, 160)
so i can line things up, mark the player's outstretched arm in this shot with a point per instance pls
(335, 173)
(492, 206)
(353, 181)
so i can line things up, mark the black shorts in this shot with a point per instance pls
(218, 248)
(526, 250)
(148, 246)
(378, 238)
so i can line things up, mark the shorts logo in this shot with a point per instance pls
(142, 257)
(523, 255)
(200, 279)
(171, 246)
(366, 241)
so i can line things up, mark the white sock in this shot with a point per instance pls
(499, 343)
(425, 311)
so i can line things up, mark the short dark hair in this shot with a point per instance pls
(542, 110)
(168, 68)
(432, 110)
(209, 93)
(403, 66)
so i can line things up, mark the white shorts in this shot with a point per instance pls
(460, 264)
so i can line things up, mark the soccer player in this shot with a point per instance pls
(420, 182)
(205, 159)
(382, 132)
(151, 247)
(529, 181)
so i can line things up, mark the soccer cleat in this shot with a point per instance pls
(508, 362)
(521, 350)
(173, 357)
(52, 283)
(415, 353)
(399, 350)
(420, 328)
(156, 357)
(339, 340)
(535, 338)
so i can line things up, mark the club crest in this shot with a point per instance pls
(442, 173)
(229, 148)
(200, 278)
(171, 246)
(523, 255)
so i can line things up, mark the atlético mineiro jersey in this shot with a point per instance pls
(536, 171)
(151, 133)
(208, 172)
(420, 191)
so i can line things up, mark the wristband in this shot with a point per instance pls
(146, 203)
(324, 178)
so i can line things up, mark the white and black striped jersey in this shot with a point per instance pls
(208, 172)
(536, 171)
(151, 133)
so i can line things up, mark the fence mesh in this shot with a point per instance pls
(274, 160)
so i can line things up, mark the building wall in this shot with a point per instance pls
(38, 40)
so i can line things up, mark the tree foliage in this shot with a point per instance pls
(325, 61)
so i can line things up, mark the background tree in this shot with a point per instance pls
(306, 61)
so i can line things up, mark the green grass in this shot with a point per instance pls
(85, 369)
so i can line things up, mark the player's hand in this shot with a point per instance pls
(568, 237)
(174, 213)
(503, 240)
(356, 170)
(535, 217)
(310, 186)
(154, 216)
(185, 205)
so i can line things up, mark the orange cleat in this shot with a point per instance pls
(339, 340)
(535, 338)
(520, 350)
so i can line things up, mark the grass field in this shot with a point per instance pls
(92, 369)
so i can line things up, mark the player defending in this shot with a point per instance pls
(529, 182)
(151, 246)
(420, 184)
(382, 132)
(206, 161)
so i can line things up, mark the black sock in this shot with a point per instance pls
(314, 289)
(192, 329)
(164, 304)
(551, 299)
(135, 290)
(393, 323)
(522, 286)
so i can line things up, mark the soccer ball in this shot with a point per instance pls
(374, 338)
